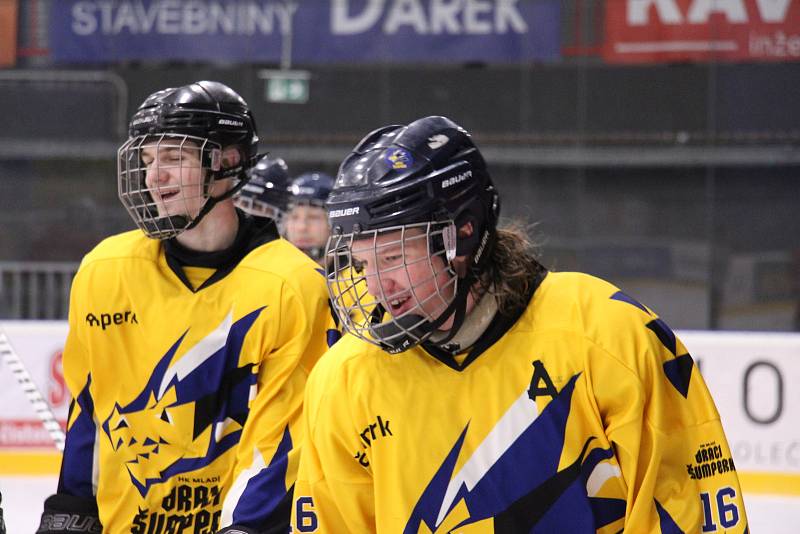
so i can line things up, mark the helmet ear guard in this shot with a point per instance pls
(479, 244)
(216, 173)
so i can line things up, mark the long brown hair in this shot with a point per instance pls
(513, 268)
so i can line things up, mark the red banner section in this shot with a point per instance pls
(8, 33)
(25, 433)
(649, 31)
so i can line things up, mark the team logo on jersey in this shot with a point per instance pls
(710, 461)
(399, 158)
(190, 412)
(104, 320)
(512, 482)
(381, 428)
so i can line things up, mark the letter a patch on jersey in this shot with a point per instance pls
(541, 384)
(511, 480)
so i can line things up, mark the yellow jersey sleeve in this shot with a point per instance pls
(664, 427)
(269, 450)
(334, 491)
(78, 459)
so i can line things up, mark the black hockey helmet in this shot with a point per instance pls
(427, 175)
(205, 117)
(311, 188)
(267, 192)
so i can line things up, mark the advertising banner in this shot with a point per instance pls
(701, 30)
(8, 33)
(307, 31)
(38, 344)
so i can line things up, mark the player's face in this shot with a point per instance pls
(174, 176)
(307, 226)
(403, 276)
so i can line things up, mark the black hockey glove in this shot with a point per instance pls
(69, 514)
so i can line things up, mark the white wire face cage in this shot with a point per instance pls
(164, 180)
(387, 286)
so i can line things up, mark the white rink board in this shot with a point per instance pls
(39, 345)
(755, 381)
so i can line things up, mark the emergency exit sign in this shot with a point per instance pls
(286, 86)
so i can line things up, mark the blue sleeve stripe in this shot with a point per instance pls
(667, 524)
(266, 490)
(78, 460)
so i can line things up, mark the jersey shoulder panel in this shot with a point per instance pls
(100, 267)
(349, 359)
(284, 260)
(568, 301)
(349, 365)
(601, 314)
(623, 340)
(127, 245)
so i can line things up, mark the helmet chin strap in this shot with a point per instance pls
(168, 224)
(475, 324)
(213, 201)
(424, 329)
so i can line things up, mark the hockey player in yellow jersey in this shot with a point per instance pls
(190, 341)
(476, 392)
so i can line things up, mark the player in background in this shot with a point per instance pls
(266, 194)
(480, 392)
(190, 339)
(308, 229)
(307, 223)
(269, 193)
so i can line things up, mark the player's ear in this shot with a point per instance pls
(465, 230)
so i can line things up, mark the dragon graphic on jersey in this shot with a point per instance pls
(512, 480)
(190, 412)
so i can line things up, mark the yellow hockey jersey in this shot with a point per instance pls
(587, 415)
(188, 397)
